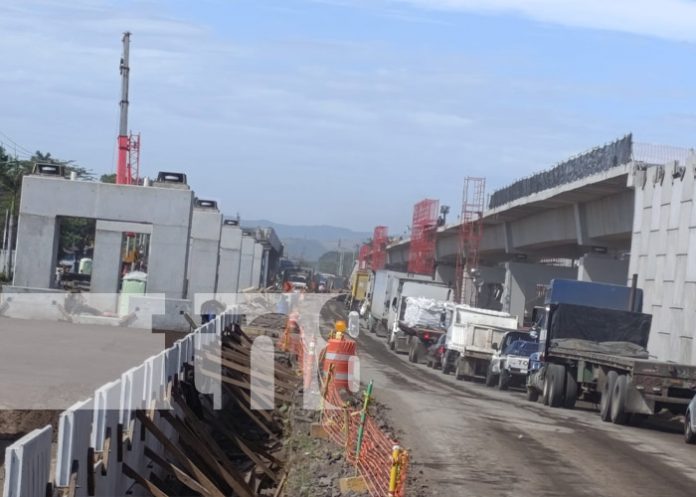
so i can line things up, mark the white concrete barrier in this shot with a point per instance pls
(93, 425)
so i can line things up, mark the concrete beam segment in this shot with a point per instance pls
(204, 251)
(230, 255)
(661, 244)
(168, 210)
(520, 293)
(603, 269)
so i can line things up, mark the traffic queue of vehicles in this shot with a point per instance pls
(588, 343)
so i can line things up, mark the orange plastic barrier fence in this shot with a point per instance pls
(375, 459)
(374, 462)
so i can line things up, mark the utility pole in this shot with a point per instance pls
(122, 176)
(340, 259)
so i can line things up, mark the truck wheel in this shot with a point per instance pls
(605, 402)
(545, 386)
(413, 352)
(446, 368)
(571, 391)
(458, 371)
(490, 378)
(532, 394)
(689, 434)
(503, 380)
(619, 415)
(556, 379)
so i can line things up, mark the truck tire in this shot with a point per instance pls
(605, 402)
(571, 391)
(619, 416)
(556, 379)
(413, 352)
(545, 391)
(491, 380)
(532, 394)
(392, 347)
(457, 371)
(503, 380)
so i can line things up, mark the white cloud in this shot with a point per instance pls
(669, 19)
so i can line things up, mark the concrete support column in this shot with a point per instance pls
(256, 265)
(246, 262)
(204, 252)
(106, 262)
(37, 242)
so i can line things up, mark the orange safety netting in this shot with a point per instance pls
(375, 459)
(342, 423)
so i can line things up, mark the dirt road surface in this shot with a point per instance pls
(471, 440)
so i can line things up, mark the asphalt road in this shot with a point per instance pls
(471, 440)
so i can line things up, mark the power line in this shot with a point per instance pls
(17, 145)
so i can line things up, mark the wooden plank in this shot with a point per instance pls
(217, 462)
(199, 475)
(149, 486)
(238, 442)
(352, 484)
(178, 473)
(233, 394)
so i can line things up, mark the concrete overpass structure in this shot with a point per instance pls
(574, 220)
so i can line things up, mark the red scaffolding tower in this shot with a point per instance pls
(364, 256)
(380, 239)
(421, 258)
(470, 233)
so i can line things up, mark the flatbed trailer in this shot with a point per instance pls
(622, 385)
(416, 340)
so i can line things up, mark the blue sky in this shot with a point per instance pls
(346, 112)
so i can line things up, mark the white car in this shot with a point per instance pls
(690, 423)
(509, 365)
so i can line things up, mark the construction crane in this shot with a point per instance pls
(470, 234)
(128, 167)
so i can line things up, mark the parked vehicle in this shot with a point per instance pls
(418, 317)
(385, 286)
(435, 352)
(360, 283)
(509, 364)
(690, 422)
(593, 342)
(473, 336)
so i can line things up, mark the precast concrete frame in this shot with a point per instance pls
(44, 199)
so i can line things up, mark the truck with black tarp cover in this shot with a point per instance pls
(593, 344)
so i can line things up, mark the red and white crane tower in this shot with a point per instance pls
(128, 167)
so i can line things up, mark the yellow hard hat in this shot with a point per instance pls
(341, 326)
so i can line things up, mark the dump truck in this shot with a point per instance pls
(473, 336)
(359, 285)
(593, 346)
(418, 317)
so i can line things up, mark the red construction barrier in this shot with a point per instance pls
(375, 461)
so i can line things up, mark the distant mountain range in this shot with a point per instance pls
(311, 242)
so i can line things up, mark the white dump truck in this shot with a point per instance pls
(421, 314)
(473, 336)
